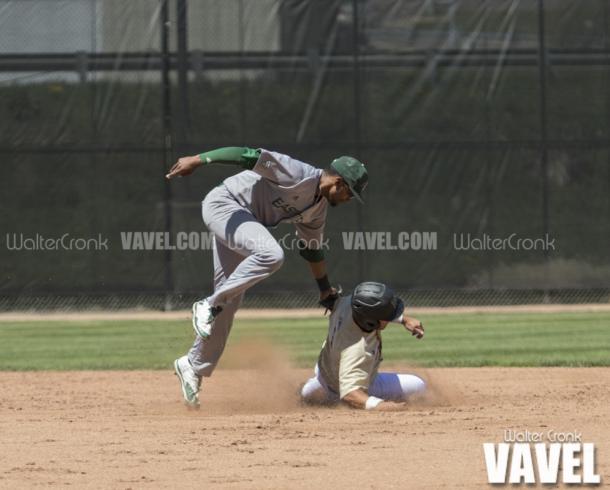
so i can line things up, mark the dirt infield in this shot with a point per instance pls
(130, 429)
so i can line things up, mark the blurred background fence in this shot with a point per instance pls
(477, 119)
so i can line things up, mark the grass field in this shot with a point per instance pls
(483, 339)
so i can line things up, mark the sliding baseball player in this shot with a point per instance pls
(347, 368)
(272, 188)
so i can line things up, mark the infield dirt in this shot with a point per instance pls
(99, 429)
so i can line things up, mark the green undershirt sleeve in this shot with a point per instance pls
(235, 155)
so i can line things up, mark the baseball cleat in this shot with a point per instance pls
(189, 381)
(203, 317)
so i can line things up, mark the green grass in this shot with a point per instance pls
(516, 339)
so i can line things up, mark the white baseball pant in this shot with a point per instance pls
(387, 386)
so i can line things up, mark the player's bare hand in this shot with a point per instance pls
(414, 326)
(389, 406)
(184, 166)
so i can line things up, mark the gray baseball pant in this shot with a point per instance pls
(244, 253)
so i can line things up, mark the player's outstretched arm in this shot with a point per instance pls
(328, 294)
(356, 398)
(361, 400)
(236, 155)
(414, 326)
(184, 166)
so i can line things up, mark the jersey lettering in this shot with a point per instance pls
(288, 209)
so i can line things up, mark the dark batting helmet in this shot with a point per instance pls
(373, 302)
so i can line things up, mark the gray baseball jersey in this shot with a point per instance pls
(281, 189)
(350, 357)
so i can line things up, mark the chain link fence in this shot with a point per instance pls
(290, 299)
(476, 118)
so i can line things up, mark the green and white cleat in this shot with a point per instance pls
(189, 381)
(203, 317)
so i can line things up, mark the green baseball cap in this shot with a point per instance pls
(353, 172)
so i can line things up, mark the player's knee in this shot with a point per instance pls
(277, 257)
(307, 389)
(271, 258)
(305, 392)
(312, 392)
(206, 212)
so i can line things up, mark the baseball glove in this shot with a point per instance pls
(329, 302)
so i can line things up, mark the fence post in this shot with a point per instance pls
(166, 111)
(183, 68)
(357, 115)
(542, 62)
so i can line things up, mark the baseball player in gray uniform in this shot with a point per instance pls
(348, 364)
(273, 188)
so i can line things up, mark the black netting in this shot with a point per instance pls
(477, 119)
